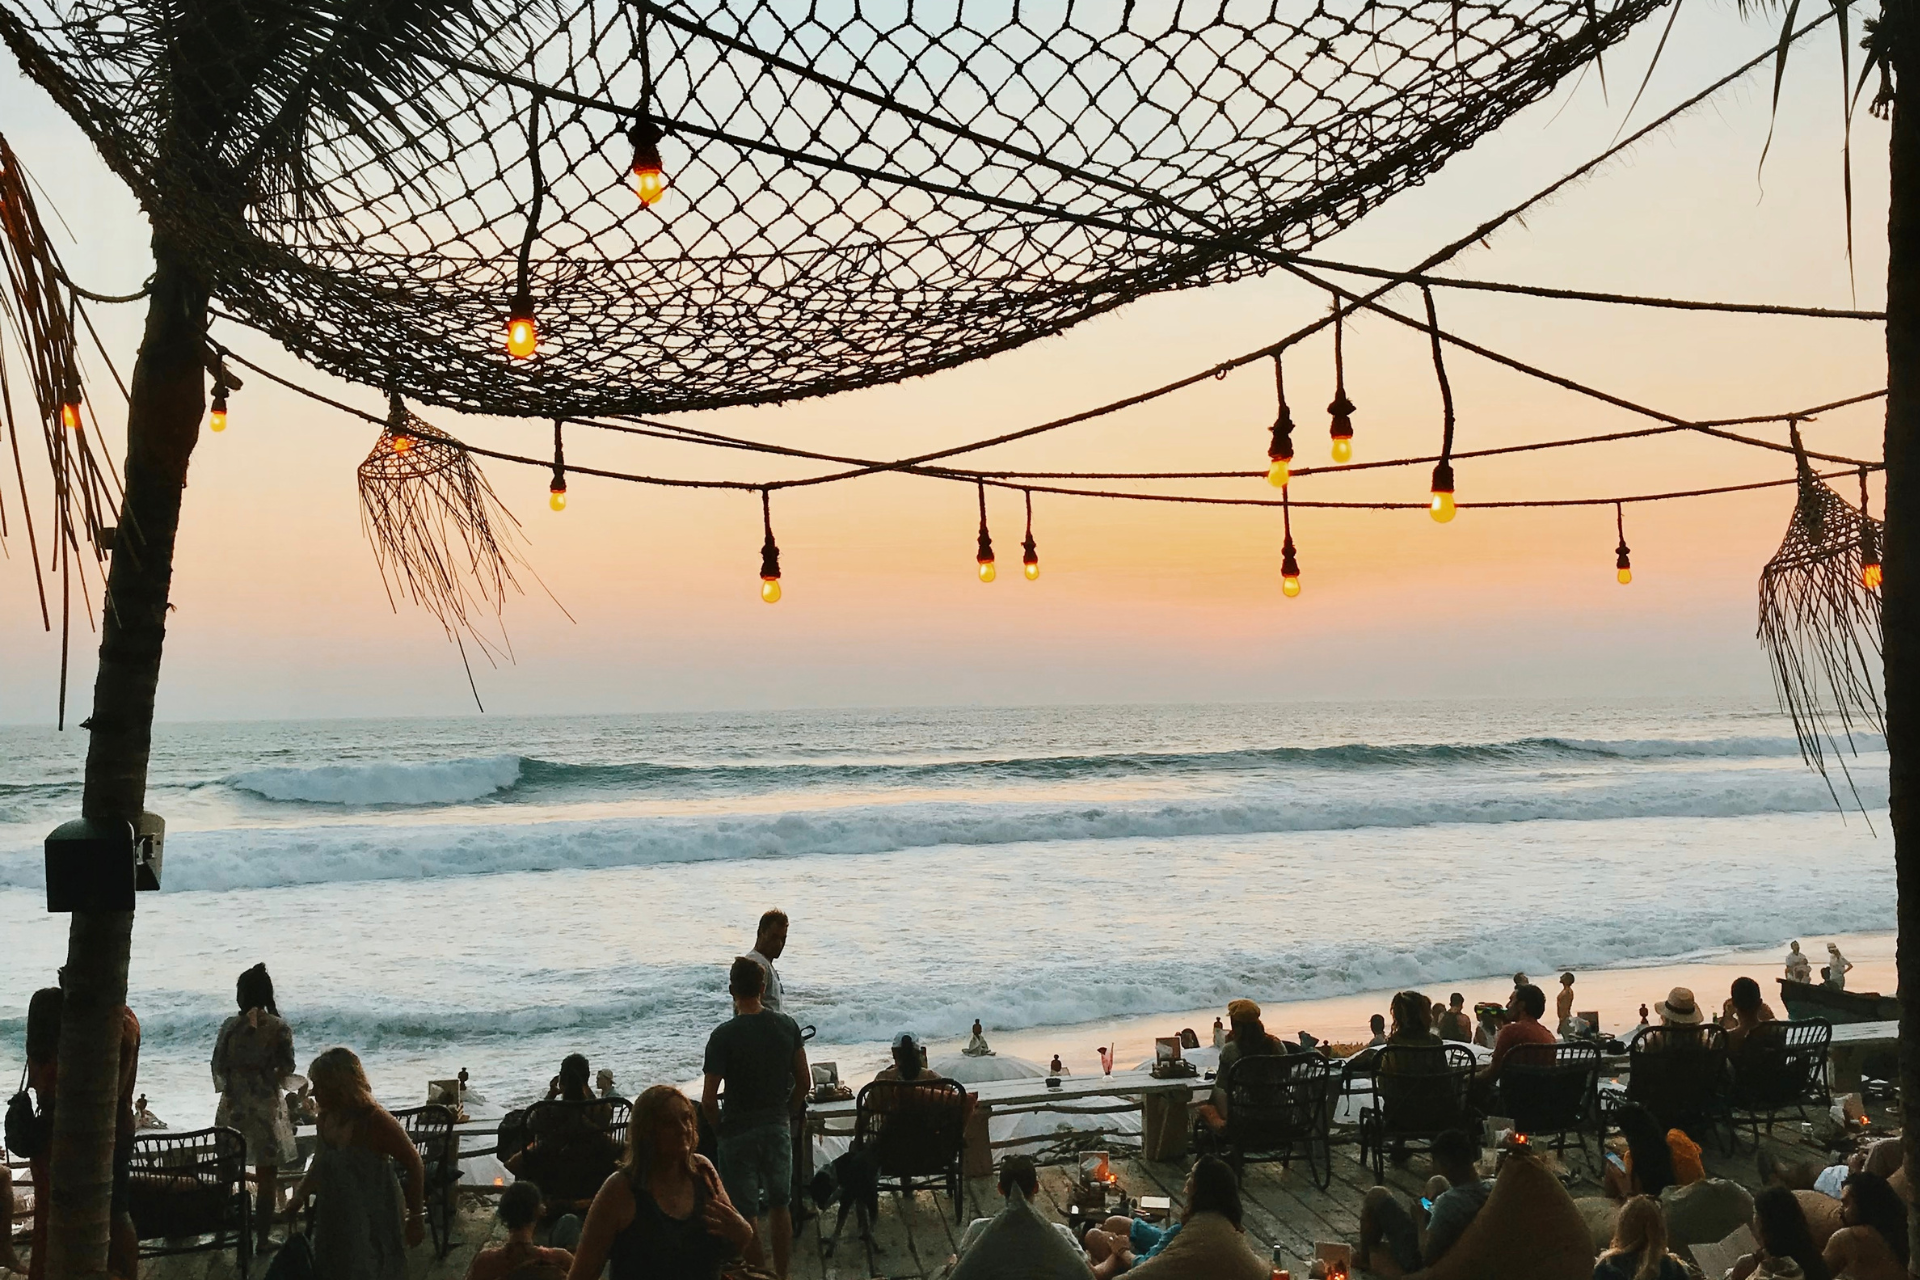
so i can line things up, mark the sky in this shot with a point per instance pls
(280, 611)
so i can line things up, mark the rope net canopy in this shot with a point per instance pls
(859, 193)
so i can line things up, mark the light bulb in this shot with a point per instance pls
(1625, 574)
(1279, 473)
(987, 572)
(1033, 570)
(1343, 448)
(557, 499)
(1870, 575)
(522, 337)
(770, 590)
(402, 443)
(70, 415)
(217, 420)
(649, 183)
(1441, 508)
(1290, 585)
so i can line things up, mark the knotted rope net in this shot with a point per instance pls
(858, 192)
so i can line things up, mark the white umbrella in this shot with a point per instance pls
(985, 1068)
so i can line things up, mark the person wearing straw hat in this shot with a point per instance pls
(1679, 1009)
(1837, 966)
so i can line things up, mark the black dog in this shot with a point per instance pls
(854, 1180)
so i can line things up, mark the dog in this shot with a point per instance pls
(854, 1180)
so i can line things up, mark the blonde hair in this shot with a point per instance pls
(1640, 1231)
(661, 1105)
(337, 1076)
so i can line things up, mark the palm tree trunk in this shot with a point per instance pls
(163, 422)
(1900, 605)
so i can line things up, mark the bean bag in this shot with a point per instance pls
(1207, 1248)
(1599, 1213)
(1823, 1215)
(1530, 1229)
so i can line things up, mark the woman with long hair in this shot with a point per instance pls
(1873, 1243)
(44, 1009)
(1639, 1248)
(358, 1231)
(251, 1056)
(1649, 1161)
(662, 1215)
(1780, 1229)
(1412, 1019)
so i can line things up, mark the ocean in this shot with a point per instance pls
(494, 893)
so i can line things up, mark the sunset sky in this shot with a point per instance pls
(281, 613)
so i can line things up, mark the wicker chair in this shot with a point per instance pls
(431, 1128)
(915, 1131)
(1552, 1089)
(1680, 1075)
(1419, 1092)
(568, 1148)
(1276, 1103)
(188, 1191)
(1780, 1067)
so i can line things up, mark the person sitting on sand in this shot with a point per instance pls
(1524, 1009)
(1207, 1243)
(1249, 1037)
(1799, 968)
(1639, 1248)
(1743, 1011)
(1019, 1239)
(1397, 1238)
(1455, 1024)
(1837, 967)
(520, 1258)
(1781, 1232)
(1377, 1024)
(1872, 1245)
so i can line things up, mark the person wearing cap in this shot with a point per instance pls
(1247, 1038)
(1679, 1009)
(761, 1059)
(1836, 967)
(909, 1060)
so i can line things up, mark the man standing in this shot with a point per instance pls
(759, 1056)
(768, 942)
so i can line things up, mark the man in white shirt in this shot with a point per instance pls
(768, 942)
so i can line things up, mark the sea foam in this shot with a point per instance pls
(435, 782)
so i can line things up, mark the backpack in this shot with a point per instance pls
(27, 1129)
(294, 1261)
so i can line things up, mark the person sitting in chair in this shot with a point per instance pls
(1524, 1009)
(1247, 1039)
(1743, 1011)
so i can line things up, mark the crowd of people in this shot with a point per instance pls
(670, 1212)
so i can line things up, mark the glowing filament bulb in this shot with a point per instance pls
(1441, 508)
(1032, 568)
(770, 590)
(988, 573)
(401, 443)
(557, 489)
(1280, 472)
(1290, 585)
(523, 335)
(650, 180)
(1343, 448)
(217, 420)
(70, 415)
(1624, 573)
(1870, 576)
(1289, 569)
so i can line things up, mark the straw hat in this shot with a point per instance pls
(1680, 1008)
(1242, 1011)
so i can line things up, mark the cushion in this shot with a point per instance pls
(1020, 1244)
(1530, 1228)
(1823, 1215)
(1207, 1248)
(1705, 1212)
(1599, 1213)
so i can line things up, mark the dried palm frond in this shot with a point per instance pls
(1820, 623)
(439, 533)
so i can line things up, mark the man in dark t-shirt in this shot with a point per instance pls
(759, 1056)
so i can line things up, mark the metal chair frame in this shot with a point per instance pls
(1419, 1092)
(431, 1129)
(213, 1163)
(1779, 1067)
(1276, 1103)
(517, 1133)
(1553, 1089)
(938, 1111)
(1680, 1074)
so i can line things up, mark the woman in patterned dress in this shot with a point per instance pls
(251, 1056)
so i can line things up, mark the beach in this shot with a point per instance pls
(496, 893)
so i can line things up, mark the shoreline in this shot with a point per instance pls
(1615, 992)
